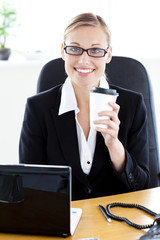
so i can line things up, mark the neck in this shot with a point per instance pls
(82, 94)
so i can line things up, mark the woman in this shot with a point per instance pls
(56, 128)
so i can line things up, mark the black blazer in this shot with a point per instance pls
(47, 138)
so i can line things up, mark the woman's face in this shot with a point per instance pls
(85, 71)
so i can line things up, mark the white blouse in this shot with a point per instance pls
(69, 103)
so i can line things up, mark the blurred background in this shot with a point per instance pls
(37, 36)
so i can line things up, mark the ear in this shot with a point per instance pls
(62, 51)
(109, 55)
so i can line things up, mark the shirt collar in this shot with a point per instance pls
(68, 99)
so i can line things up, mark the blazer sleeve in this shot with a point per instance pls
(136, 171)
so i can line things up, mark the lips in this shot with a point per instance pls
(84, 70)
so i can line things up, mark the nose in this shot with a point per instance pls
(84, 58)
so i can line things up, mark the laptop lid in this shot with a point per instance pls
(35, 199)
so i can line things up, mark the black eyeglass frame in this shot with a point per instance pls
(86, 50)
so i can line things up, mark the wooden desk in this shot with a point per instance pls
(94, 224)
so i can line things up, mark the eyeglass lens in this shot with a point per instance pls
(93, 52)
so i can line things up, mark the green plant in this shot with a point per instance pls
(8, 17)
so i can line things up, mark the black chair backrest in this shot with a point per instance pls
(121, 71)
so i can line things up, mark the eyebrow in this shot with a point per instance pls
(94, 44)
(75, 43)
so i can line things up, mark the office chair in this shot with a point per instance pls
(124, 72)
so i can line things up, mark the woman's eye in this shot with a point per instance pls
(75, 49)
(96, 50)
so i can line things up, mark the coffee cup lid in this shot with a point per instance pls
(104, 91)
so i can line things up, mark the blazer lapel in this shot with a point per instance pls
(67, 134)
(99, 160)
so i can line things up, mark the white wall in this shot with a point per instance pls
(17, 82)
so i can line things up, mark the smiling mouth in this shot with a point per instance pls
(84, 70)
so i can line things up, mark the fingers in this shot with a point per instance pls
(111, 121)
(113, 115)
(107, 132)
(114, 106)
(110, 124)
(111, 128)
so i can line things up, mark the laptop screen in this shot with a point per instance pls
(35, 199)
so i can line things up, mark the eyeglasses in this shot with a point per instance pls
(92, 52)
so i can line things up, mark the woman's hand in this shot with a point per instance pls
(110, 135)
(110, 132)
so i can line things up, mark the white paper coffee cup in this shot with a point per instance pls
(99, 98)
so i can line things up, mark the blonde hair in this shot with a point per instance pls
(87, 19)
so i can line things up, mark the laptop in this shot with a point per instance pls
(36, 199)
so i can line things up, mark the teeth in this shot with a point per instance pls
(84, 70)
